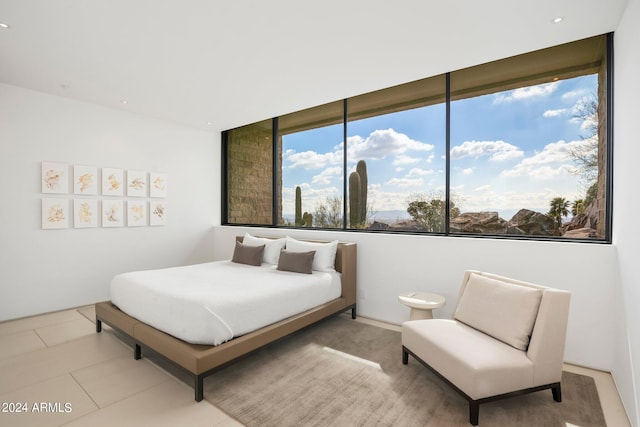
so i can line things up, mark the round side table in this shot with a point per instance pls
(421, 304)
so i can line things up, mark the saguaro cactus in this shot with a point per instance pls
(307, 219)
(354, 199)
(298, 217)
(358, 195)
(361, 168)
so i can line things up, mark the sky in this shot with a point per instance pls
(509, 150)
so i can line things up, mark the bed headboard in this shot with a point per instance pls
(346, 264)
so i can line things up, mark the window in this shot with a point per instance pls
(396, 149)
(516, 148)
(525, 141)
(312, 167)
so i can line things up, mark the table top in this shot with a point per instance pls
(422, 299)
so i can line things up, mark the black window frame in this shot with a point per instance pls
(609, 82)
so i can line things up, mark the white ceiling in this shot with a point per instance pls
(234, 62)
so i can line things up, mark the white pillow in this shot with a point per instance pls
(325, 257)
(272, 247)
(503, 310)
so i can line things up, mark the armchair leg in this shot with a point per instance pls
(474, 411)
(557, 392)
(405, 356)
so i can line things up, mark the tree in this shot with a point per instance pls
(558, 208)
(586, 155)
(578, 207)
(329, 213)
(592, 194)
(429, 211)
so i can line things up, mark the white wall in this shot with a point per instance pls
(604, 331)
(626, 233)
(390, 264)
(48, 270)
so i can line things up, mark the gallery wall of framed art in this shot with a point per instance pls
(81, 196)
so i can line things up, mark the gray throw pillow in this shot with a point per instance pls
(245, 254)
(298, 262)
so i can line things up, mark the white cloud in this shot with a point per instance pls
(555, 113)
(406, 182)
(382, 143)
(589, 123)
(419, 172)
(381, 200)
(311, 159)
(467, 171)
(378, 145)
(553, 161)
(526, 93)
(496, 150)
(573, 94)
(326, 176)
(405, 160)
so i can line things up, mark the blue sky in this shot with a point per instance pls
(509, 150)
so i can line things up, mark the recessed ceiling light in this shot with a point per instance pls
(5, 26)
(124, 101)
(209, 123)
(558, 19)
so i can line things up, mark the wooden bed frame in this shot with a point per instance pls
(202, 360)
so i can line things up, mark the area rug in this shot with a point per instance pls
(342, 372)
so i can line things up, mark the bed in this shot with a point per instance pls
(227, 336)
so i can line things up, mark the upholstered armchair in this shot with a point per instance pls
(506, 338)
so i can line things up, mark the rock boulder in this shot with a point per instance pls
(478, 222)
(531, 223)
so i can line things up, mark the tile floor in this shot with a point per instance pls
(68, 375)
(56, 371)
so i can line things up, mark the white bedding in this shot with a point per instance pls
(214, 302)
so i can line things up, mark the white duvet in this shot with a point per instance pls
(214, 302)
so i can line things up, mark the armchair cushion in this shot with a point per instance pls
(499, 309)
(475, 363)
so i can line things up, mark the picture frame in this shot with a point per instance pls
(136, 213)
(85, 213)
(136, 183)
(112, 182)
(85, 180)
(54, 178)
(158, 184)
(112, 213)
(157, 212)
(55, 213)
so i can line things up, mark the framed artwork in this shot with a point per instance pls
(113, 213)
(158, 212)
(85, 213)
(55, 213)
(158, 184)
(55, 178)
(85, 180)
(136, 183)
(136, 213)
(112, 182)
